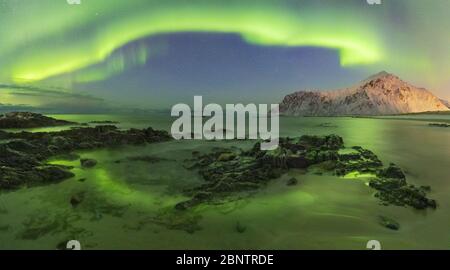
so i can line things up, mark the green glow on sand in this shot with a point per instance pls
(112, 187)
(356, 175)
(120, 192)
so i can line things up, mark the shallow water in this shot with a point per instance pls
(129, 205)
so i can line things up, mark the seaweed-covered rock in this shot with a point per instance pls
(226, 156)
(292, 181)
(240, 228)
(393, 172)
(393, 189)
(444, 125)
(397, 192)
(296, 161)
(232, 171)
(88, 162)
(76, 199)
(389, 223)
(23, 156)
(15, 177)
(360, 160)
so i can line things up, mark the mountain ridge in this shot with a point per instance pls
(380, 94)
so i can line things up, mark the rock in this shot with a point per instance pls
(362, 160)
(444, 125)
(181, 206)
(387, 184)
(297, 162)
(389, 223)
(292, 181)
(240, 228)
(24, 154)
(397, 192)
(228, 172)
(393, 171)
(88, 162)
(76, 199)
(29, 120)
(53, 173)
(60, 142)
(226, 156)
(393, 189)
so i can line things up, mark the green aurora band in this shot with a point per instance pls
(49, 38)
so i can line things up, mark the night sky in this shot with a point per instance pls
(153, 54)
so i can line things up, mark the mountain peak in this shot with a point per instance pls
(382, 93)
(381, 75)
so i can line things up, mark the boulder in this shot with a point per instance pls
(88, 162)
(389, 223)
(76, 199)
(296, 161)
(292, 181)
(228, 172)
(393, 171)
(23, 156)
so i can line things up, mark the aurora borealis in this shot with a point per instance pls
(88, 46)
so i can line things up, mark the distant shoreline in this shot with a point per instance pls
(387, 116)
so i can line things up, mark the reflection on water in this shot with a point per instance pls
(128, 204)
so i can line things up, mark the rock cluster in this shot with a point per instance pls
(393, 189)
(23, 155)
(444, 125)
(29, 120)
(231, 171)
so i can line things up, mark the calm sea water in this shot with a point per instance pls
(129, 205)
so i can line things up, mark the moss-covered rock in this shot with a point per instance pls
(230, 171)
(23, 156)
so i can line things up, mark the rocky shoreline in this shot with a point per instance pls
(227, 172)
(232, 170)
(29, 120)
(23, 155)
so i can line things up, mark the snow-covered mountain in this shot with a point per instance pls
(383, 93)
(446, 103)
